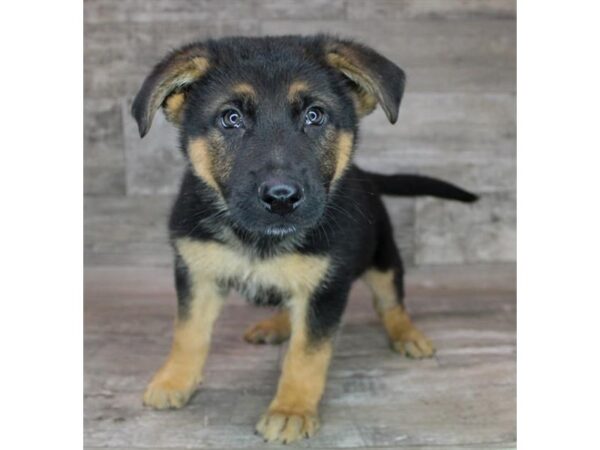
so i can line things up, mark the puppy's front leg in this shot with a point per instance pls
(199, 302)
(292, 414)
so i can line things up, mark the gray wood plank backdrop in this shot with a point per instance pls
(457, 120)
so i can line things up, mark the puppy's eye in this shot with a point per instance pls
(231, 118)
(314, 116)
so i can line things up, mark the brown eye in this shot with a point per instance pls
(314, 116)
(231, 118)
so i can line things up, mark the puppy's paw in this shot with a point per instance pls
(287, 426)
(269, 331)
(167, 393)
(414, 344)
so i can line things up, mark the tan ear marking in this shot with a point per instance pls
(173, 107)
(364, 103)
(365, 97)
(352, 71)
(178, 70)
(375, 78)
(179, 75)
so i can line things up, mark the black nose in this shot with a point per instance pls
(280, 197)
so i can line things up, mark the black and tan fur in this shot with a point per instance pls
(271, 205)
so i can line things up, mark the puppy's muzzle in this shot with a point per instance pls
(280, 197)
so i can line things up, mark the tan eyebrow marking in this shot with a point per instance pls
(295, 89)
(245, 89)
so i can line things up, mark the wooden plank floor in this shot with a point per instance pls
(463, 398)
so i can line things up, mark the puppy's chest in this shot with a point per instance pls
(261, 280)
(257, 292)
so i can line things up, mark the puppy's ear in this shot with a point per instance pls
(165, 86)
(374, 78)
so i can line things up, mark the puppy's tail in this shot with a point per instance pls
(405, 185)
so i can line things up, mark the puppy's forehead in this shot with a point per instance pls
(268, 68)
(289, 87)
(255, 79)
(271, 52)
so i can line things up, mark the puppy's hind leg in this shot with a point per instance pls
(385, 278)
(274, 330)
(404, 337)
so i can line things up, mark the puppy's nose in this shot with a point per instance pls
(280, 197)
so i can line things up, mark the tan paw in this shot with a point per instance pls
(168, 393)
(286, 427)
(270, 331)
(414, 345)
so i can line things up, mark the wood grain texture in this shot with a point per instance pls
(464, 398)
(450, 232)
(127, 231)
(431, 9)
(142, 11)
(104, 171)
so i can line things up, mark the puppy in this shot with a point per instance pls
(271, 205)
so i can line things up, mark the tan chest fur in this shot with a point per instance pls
(294, 273)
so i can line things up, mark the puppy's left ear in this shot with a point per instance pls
(374, 78)
(166, 84)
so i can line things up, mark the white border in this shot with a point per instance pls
(41, 199)
(558, 224)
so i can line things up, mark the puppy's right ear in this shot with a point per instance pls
(165, 86)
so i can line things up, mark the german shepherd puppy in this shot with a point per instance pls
(272, 206)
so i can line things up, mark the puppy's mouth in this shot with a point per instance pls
(280, 230)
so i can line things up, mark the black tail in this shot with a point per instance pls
(416, 185)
